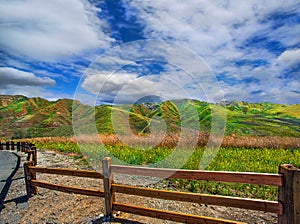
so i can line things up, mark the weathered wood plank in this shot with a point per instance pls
(107, 183)
(68, 172)
(168, 215)
(69, 189)
(246, 203)
(289, 195)
(218, 176)
(29, 178)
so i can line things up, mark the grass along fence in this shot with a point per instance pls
(171, 140)
(287, 180)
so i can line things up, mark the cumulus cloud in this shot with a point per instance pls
(17, 82)
(121, 87)
(13, 77)
(125, 74)
(290, 56)
(209, 27)
(235, 38)
(49, 30)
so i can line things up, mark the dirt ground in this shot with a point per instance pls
(56, 207)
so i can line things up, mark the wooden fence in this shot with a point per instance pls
(28, 148)
(25, 147)
(11, 146)
(287, 180)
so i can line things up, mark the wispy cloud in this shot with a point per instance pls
(50, 30)
(12, 76)
(133, 71)
(251, 43)
(54, 41)
(15, 81)
(252, 48)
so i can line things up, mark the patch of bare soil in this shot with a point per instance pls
(56, 207)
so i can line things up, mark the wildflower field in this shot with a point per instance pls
(243, 154)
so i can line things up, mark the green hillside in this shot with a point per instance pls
(36, 117)
(263, 119)
(28, 117)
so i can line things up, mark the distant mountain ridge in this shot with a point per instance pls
(21, 117)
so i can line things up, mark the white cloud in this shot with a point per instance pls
(129, 88)
(50, 30)
(267, 87)
(290, 57)
(206, 26)
(185, 74)
(11, 76)
(220, 32)
(17, 82)
(106, 83)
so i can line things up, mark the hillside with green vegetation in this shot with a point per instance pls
(22, 117)
(263, 119)
(28, 117)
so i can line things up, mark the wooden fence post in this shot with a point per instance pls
(29, 175)
(12, 146)
(34, 155)
(23, 146)
(18, 146)
(289, 195)
(7, 145)
(1, 146)
(107, 182)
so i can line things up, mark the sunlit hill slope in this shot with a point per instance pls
(36, 117)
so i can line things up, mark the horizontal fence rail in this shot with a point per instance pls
(32, 170)
(168, 215)
(288, 209)
(67, 172)
(217, 176)
(246, 203)
(68, 189)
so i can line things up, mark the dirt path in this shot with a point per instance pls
(57, 207)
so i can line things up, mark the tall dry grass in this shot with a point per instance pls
(173, 140)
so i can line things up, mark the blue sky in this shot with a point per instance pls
(122, 51)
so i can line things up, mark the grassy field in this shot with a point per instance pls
(228, 158)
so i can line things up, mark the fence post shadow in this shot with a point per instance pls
(8, 182)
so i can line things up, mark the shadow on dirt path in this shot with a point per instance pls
(9, 165)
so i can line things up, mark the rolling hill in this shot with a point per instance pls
(36, 117)
(26, 117)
